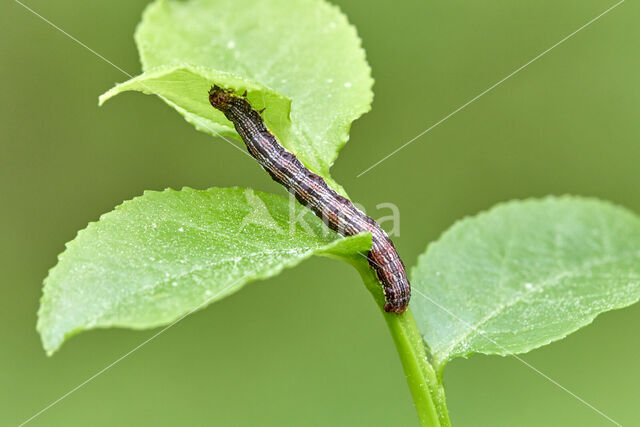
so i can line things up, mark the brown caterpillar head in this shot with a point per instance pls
(220, 98)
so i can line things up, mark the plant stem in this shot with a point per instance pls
(426, 389)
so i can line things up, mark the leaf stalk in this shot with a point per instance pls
(426, 388)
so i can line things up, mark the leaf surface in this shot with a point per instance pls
(524, 274)
(300, 59)
(165, 254)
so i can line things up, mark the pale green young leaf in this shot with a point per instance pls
(164, 254)
(302, 51)
(185, 88)
(524, 274)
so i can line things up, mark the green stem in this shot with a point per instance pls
(426, 389)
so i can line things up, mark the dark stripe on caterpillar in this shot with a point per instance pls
(312, 191)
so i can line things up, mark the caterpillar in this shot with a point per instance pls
(311, 190)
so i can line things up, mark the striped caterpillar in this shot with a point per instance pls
(312, 191)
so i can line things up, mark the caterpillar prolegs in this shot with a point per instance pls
(312, 191)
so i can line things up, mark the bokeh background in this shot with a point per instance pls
(568, 123)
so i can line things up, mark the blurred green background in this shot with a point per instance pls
(568, 123)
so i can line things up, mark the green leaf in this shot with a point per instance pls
(524, 274)
(302, 51)
(185, 88)
(164, 254)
